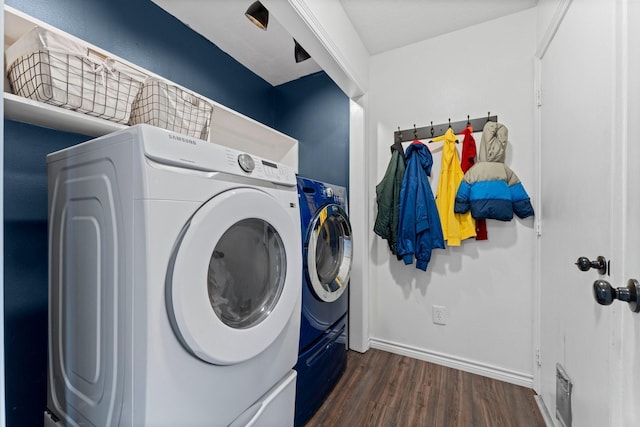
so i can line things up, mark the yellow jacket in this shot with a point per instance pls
(455, 227)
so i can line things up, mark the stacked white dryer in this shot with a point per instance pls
(175, 269)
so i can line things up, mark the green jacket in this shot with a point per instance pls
(388, 199)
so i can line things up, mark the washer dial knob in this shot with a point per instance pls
(246, 163)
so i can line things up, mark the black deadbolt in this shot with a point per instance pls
(584, 264)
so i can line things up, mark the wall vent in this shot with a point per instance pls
(563, 396)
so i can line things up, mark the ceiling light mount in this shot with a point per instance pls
(258, 14)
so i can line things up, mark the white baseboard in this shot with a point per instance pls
(474, 367)
(546, 416)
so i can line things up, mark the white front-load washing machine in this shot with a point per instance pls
(174, 284)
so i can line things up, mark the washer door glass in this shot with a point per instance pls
(243, 293)
(233, 282)
(329, 252)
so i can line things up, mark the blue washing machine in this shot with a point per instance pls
(327, 255)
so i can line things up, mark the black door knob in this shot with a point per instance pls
(584, 264)
(605, 294)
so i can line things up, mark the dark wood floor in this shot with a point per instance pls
(385, 389)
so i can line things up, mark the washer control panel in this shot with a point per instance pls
(256, 167)
(191, 153)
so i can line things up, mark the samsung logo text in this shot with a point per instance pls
(183, 139)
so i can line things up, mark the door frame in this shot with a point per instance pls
(544, 44)
(621, 218)
(325, 31)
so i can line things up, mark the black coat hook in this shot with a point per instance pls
(432, 132)
(397, 145)
(449, 122)
(488, 116)
(415, 132)
(468, 121)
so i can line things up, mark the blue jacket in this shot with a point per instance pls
(419, 229)
(489, 188)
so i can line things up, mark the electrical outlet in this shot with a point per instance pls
(439, 314)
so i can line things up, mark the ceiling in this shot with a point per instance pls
(381, 24)
(389, 24)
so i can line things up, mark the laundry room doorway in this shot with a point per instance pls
(580, 372)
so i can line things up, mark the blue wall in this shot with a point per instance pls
(311, 109)
(316, 112)
(25, 267)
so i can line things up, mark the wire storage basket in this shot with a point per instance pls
(50, 68)
(167, 106)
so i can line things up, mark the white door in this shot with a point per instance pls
(234, 279)
(582, 203)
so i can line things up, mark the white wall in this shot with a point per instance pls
(487, 286)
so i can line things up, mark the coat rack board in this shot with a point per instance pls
(432, 131)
